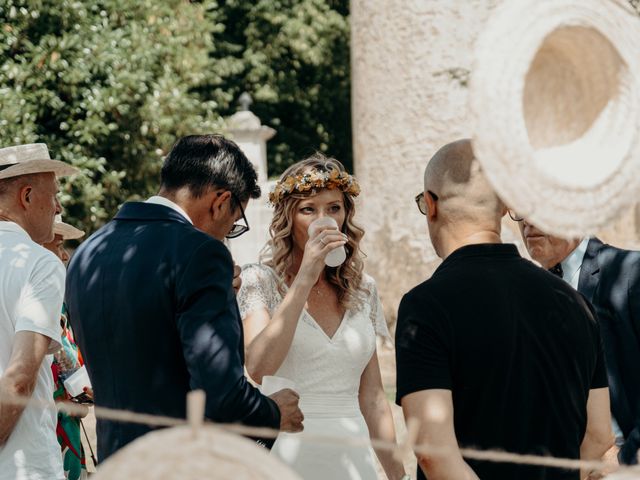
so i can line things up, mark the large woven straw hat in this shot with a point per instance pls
(555, 101)
(31, 158)
(625, 475)
(66, 231)
(178, 453)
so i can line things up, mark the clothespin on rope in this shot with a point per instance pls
(406, 447)
(195, 410)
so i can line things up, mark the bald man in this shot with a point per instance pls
(492, 351)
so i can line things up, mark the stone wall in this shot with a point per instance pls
(410, 66)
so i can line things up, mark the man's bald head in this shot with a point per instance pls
(464, 194)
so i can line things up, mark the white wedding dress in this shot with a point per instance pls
(326, 372)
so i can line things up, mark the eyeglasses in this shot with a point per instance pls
(238, 229)
(515, 217)
(422, 205)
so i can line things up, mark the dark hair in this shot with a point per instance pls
(200, 162)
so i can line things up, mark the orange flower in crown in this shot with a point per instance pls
(334, 179)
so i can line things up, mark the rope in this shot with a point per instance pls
(263, 432)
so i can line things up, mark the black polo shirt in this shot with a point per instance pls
(518, 348)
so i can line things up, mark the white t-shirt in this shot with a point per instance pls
(31, 293)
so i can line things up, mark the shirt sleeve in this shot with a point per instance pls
(599, 379)
(256, 289)
(40, 304)
(423, 347)
(212, 340)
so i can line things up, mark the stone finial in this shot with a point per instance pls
(245, 101)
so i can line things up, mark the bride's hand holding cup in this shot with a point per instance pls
(325, 247)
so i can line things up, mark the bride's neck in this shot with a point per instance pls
(292, 272)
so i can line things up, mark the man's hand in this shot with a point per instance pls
(237, 279)
(290, 414)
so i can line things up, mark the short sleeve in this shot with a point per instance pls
(40, 304)
(258, 289)
(599, 378)
(377, 312)
(423, 347)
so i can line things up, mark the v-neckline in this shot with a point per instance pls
(315, 323)
(325, 334)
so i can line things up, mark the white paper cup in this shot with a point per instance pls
(335, 257)
(272, 384)
(75, 383)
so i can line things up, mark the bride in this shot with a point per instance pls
(316, 326)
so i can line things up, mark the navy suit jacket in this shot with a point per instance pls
(610, 279)
(154, 313)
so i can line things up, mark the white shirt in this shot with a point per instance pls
(572, 265)
(158, 200)
(31, 293)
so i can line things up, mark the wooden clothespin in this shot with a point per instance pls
(195, 409)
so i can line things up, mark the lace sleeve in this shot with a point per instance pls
(377, 312)
(258, 289)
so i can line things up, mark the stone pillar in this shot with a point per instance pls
(245, 128)
(410, 66)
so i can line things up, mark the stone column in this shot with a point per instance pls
(410, 66)
(245, 128)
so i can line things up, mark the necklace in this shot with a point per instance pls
(316, 288)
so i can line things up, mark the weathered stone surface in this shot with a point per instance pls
(410, 64)
(411, 61)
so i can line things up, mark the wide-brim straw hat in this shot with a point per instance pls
(31, 158)
(625, 475)
(555, 103)
(66, 231)
(180, 452)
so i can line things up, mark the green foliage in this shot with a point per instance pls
(293, 57)
(106, 85)
(110, 84)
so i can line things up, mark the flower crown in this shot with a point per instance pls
(315, 179)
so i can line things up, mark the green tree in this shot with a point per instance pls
(108, 86)
(292, 56)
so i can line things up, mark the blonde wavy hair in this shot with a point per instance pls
(347, 278)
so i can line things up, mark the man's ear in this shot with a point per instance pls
(432, 206)
(220, 201)
(25, 196)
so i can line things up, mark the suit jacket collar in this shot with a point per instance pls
(590, 270)
(149, 212)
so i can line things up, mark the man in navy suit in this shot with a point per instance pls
(609, 278)
(151, 301)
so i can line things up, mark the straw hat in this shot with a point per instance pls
(555, 102)
(68, 232)
(31, 158)
(625, 475)
(180, 452)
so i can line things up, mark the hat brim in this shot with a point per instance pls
(61, 169)
(68, 232)
(568, 172)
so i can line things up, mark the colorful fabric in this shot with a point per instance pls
(65, 361)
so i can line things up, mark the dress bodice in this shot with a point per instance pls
(316, 363)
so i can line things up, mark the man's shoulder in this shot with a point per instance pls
(423, 295)
(608, 254)
(27, 256)
(183, 234)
